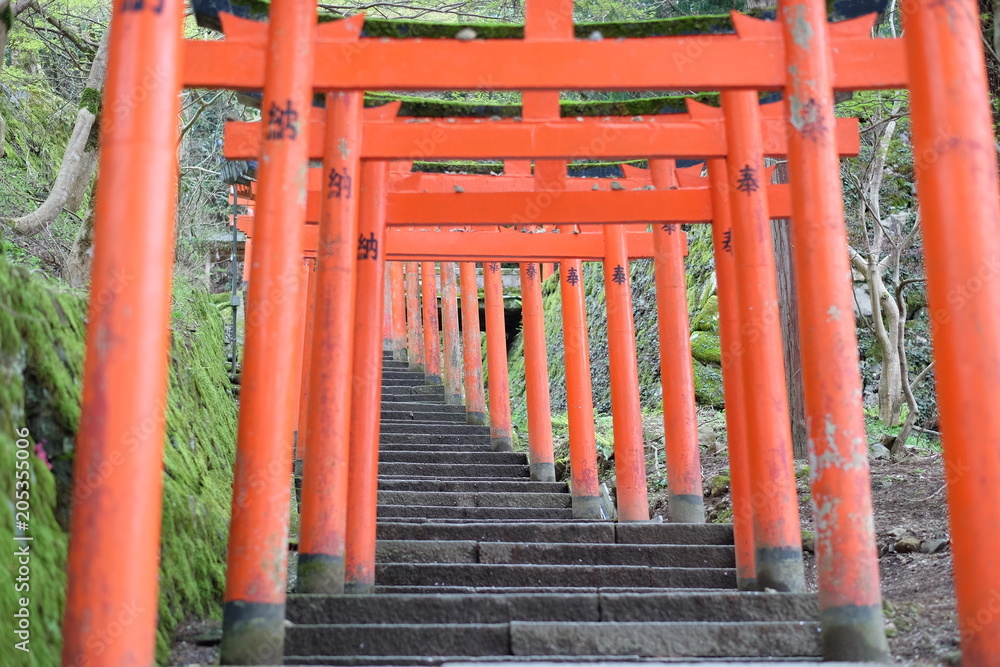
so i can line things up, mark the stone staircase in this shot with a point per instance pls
(475, 562)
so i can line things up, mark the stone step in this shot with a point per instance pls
(453, 499)
(713, 606)
(412, 380)
(434, 439)
(435, 485)
(454, 458)
(526, 638)
(566, 532)
(473, 513)
(453, 470)
(407, 395)
(411, 427)
(483, 575)
(401, 373)
(403, 447)
(414, 406)
(467, 551)
(407, 416)
(533, 590)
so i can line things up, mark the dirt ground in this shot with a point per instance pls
(910, 506)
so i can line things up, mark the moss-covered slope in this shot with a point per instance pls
(41, 357)
(703, 313)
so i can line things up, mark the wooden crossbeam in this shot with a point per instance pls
(752, 58)
(697, 134)
(505, 245)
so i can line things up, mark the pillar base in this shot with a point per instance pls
(853, 634)
(746, 584)
(588, 508)
(453, 399)
(685, 508)
(359, 587)
(543, 472)
(432, 379)
(416, 368)
(502, 444)
(399, 355)
(780, 569)
(320, 573)
(477, 418)
(253, 633)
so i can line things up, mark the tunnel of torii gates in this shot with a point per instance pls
(290, 58)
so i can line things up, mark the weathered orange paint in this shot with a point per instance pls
(850, 599)
(501, 437)
(253, 615)
(366, 388)
(778, 541)
(732, 374)
(452, 368)
(691, 135)
(630, 454)
(414, 321)
(298, 358)
(308, 327)
(536, 376)
(398, 297)
(680, 423)
(323, 512)
(432, 327)
(472, 347)
(956, 170)
(115, 525)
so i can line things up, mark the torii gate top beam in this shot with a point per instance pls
(752, 58)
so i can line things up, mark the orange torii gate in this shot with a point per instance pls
(800, 54)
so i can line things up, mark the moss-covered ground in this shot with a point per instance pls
(42, 328)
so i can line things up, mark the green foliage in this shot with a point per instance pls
(41, 361)
(91, 100)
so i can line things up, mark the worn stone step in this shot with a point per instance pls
(673, 640)
(582, 532)
(406, 417)
(452, 499)
(658, 555)
(674, 533)
(474, 574)
(473, 513)
(419, 389)
(478, 458)
(434, 439)
(436, 428)
(405, 447)
(577, 607)
(453, 470)
(534, 590)
(432, 485)
(397, 373)
(527, 638)
(415, 406)
(410, 394)
(416, 380)
(467, 551)
(397, 639)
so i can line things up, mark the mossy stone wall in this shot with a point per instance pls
(42, 328)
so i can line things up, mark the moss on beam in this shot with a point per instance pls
(574, 169)
(430, 108)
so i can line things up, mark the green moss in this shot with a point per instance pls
(706, 347)
(41, 361)
(708, 385)
(401, 28)
(91, 100)
(707, 319)
(413, 106)
(719, 485)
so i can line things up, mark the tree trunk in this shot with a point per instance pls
(781, 234)
(77, 268)
(79, 160)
